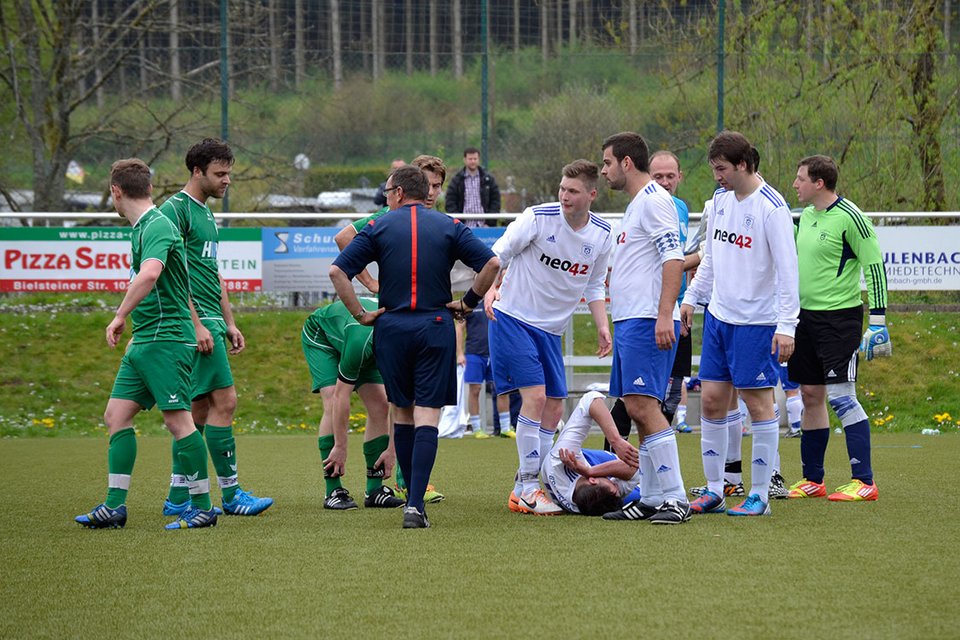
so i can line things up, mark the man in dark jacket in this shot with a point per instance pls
(473, 189)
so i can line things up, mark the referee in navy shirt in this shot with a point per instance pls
(414, 341)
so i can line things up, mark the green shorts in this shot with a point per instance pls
(324, 363)
(156, 373)
(211, 371)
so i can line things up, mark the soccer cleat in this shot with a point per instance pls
(103, 517)
(729, 489)
(174, 509)
(246, 504)
(538, 504)
(807, 489)
(432, 496)
(792, 433)
(508, 433)
(683, 427)
(481, 435)
(777, 490)
(340, 500)
(400, 492)
(855, 491)
(513, 503)
(382, 498)
(671, 512)
(194, 518)
(413, 519)
(708, 502)
(752, 506)
(633, 510)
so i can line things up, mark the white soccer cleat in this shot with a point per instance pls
(538, 504)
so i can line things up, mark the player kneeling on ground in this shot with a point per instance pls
(339, 353)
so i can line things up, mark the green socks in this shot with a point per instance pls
(371, 451)
(326, 446)
(120, 458)
(179, 489)
(192, 453)
(223, 452)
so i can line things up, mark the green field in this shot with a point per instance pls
(813, 570)
(56, 370)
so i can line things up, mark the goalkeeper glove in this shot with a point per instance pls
(876, 340)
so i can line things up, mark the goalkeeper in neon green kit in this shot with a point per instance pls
(835, 241)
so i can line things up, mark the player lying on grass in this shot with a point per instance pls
(590, 481)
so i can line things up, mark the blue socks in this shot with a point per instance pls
(403, 445)
(858, 448)
(424, 455)
(813, 447)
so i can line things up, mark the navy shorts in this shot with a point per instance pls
(417, 357)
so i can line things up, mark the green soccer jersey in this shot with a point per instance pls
(164, 314)
(352, 340)
(201, 240)
(833, 245)
(358, 225)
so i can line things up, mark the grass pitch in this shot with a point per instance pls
(813, 570)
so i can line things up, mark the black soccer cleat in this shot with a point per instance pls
(382, 498)
(634, 510)
(340, 500)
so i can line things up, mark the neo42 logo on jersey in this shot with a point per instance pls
(742, 241)
(573, 268)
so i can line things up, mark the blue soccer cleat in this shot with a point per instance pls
(103, 517)
(246, 504)
(174, 509)
(194, 518)
(708, 502)
(752, 506)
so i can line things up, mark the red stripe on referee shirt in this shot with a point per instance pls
(413, 258)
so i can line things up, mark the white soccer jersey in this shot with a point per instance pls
(559, 480)
(749, 270)
(550, 267)
(649, 236)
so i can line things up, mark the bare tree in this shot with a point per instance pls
(544, 30)
(408, 25)
(97, 68)
(376, 29)
(41, 72)
(176, 88)
(457, 40)
(274, 36)
(299, 45)
(335, 44)
(573, 23)
(433, 38)
(516, 27)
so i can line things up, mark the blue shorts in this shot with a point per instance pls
(639, 367)
(524, 356)
(738, 353)
(785, 381)
(477, 370)
(417, 356)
